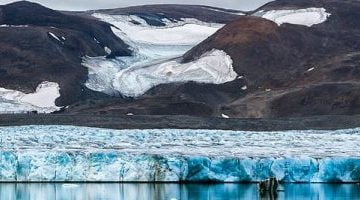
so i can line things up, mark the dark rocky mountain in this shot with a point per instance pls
(289, 70)
(310, 70)
(30, 54)
(155, 14)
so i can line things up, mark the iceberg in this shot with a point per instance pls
(82, 154)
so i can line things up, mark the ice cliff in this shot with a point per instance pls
(68, 153)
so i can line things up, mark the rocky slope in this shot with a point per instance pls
(291, 58)
(155, 15)
(39, 44)
(291, 69)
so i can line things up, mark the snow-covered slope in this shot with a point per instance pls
(67, 153)
(152, 63)
(42, 100)
(306, 17)
(135, 29)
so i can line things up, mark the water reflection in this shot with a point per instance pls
(171, 191)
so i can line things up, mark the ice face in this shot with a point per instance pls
(68, 153)
(306, 17)
(155, 62)
(42, 100)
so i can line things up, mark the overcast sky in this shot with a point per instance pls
(97, 4)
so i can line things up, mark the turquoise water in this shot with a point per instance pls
(37, 191)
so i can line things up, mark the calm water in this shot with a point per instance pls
(171, 191)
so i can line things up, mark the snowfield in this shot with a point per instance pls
(133, 29)
(306, 17)
(68, 153)
(42, 100)
(155, 60)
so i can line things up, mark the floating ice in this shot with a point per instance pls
(68, 153)
(42, 100)
(306, 17)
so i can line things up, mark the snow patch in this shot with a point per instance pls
(225, 116)
(13, 26)
(97, 41)
(54, 36)
(42, 100)
(310, 69)
(307, 17)
(107, 50)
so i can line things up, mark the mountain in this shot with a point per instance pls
(44, 50)
(293, 70)
(285, 59)
(155, 14)
(292, 59)
(39, 44)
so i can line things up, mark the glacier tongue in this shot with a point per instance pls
(68, 153)
(155, 60)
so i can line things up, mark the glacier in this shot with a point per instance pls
(306, 17)
(82, 154)
(156, 58)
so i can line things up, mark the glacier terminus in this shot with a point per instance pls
(81, 154)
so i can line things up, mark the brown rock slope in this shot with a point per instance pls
(293, 70)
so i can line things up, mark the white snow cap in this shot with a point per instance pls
(42, 100)
(307, 17)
